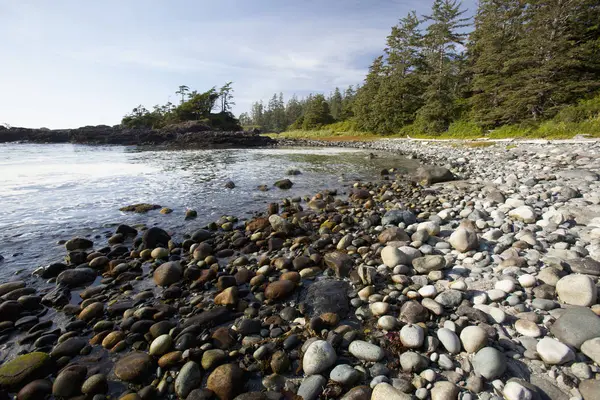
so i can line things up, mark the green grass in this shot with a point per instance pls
(557, 128)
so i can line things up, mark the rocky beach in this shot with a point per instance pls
(473, 278)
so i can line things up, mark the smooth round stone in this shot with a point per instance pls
(319, 356)
(496, 294)
(161, 345)
(459, 285)
(412, 336)
(379, 308)
(527, 280)
(449, 339)
(345, 374)
(387, 322)
(591, 348)
(385, 391)
(392, 256)
(95, 384)
(312, 387)
(428, 291)
(489, 363)
(505, 285)
(528, 328)
(577, 290)
(473, 338)
(411, 361)
(365, 351)
(444, 390)
(515, 391)
(553, 352)
(189, 378)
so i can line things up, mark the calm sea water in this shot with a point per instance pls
(53, 192)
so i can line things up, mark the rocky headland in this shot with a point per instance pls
(187, 134)
(475, 278)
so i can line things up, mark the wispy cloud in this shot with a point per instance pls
(90, 62)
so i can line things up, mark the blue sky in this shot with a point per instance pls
(68, 63)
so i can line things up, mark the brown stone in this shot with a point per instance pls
(226, 381)
(279, 289)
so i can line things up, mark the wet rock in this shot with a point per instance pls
(69, 348)
(76, 277)
(133, 366)
(24, 369)
(35, 390)
(69, 380)
(78, 244)
(155, 237)
(189, 378)
(226, 381)
(283, 184)
(167, 274)
(95, 384)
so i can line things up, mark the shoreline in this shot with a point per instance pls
(354, 280)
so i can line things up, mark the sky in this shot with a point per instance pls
(70, 63)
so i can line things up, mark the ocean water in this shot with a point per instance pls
(52, 192)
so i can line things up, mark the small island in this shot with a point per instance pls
(192, 123)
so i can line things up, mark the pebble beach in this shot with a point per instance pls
(475, 277)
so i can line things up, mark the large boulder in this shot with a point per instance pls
(433, 174)
(153, 237)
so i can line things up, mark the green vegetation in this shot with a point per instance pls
(194, 106)
(521, 68)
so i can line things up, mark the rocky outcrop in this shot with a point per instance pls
(189, 134)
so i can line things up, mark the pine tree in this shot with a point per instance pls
(493, 45)
(293, 110)
(335, 104)
(554, 63)
(317, 113)
(399, 95)
(442, 43)
(364, 112)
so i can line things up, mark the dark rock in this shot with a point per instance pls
(38, 389)
(57, 297)
(207, 319)
(69, 348)
(76, 277)
(328, 296)
(16, 373)
(126, 231)
(78, 244)
(10, 310)
(433, 174)
(69, 380)
(284, 184)
(339, 262)
(52, 270)
(133, 367)
(585, 265)
(155, 237)
(226, 381)
(576, 325)
(395, 217)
